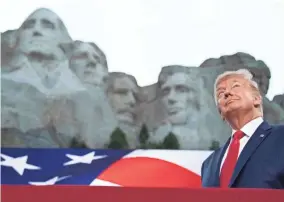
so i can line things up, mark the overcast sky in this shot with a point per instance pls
(141, 36)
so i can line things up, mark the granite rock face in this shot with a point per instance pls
(58, 92)
(261, 72)
(240, 60)
(279, 99)
(183, 107)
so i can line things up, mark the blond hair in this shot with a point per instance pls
(244, 73)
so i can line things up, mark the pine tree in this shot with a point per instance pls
(143, 136)
(118, 140)
(77, 144)
(170, 142)
(214, 145)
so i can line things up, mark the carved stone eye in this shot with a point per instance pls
(28, 24)
(47, 24)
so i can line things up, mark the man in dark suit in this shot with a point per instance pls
(253, 157)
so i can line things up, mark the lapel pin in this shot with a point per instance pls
(261, 135)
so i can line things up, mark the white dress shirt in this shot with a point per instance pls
(249, 130)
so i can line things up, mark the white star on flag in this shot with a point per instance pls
(19, 164)
(87, 158)
(51, 181)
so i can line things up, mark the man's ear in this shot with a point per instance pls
(257, 100)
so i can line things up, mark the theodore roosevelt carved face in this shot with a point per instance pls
(122, 93)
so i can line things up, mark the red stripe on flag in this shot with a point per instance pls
(150, 172)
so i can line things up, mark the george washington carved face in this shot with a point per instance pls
(41, 33)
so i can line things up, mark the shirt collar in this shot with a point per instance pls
(250, 127)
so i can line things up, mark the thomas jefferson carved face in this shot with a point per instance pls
(87, 64)
(41, 33)
(178, 96)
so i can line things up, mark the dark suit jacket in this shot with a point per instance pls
(260, 164)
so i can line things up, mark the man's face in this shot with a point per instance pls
(177, 95)
(85, 62)
(234, 93)
(40, 33)
(123, 99)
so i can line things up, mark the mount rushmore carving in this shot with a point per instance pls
(59, 92)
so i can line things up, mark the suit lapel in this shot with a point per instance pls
(218, 161)
(256, 139)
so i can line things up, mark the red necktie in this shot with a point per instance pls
(231, 160)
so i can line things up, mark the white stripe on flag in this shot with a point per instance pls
(98, 182)
(191, 160)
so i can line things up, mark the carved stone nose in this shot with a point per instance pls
(171, 101)
(131, 105)
(36, 33)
